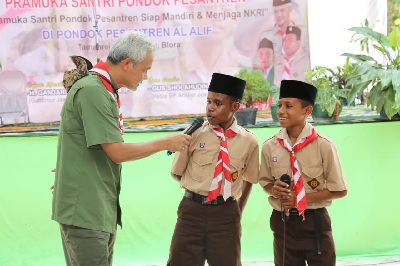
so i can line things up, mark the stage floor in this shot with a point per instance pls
(392, 260)
(346, 262)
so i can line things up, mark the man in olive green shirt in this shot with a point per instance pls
(91, 150)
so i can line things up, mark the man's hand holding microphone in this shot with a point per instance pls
(197, 122)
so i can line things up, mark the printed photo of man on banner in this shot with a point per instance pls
(194, 40)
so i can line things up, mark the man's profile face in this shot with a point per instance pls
(291, 44)
(282, 14)
(265, 57)
(134, 75)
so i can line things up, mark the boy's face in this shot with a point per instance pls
(220, 109)
(291, 114)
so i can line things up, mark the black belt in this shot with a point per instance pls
(295, 212)
(202, 199)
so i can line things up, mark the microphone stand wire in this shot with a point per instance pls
(96, 27)
(284, 219)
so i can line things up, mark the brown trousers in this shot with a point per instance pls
(206, 232)
(300, 240)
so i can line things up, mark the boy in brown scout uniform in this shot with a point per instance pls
(216, 171)
(300, 222)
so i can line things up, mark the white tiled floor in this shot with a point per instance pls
(395, 260)
(392, 261)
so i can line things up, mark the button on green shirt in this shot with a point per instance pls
(87, 182)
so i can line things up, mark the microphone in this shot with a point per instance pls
(286, 179)
(197, 122)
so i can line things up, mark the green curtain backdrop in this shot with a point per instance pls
(365, 223)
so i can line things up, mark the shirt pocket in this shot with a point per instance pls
(313, 178)
(237, 166)
(277, 172)
(201, 168)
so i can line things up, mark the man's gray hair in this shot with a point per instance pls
(131, 44)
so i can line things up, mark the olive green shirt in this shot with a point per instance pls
(87, 182)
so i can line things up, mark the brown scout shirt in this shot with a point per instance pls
(299, 64)
(194, 167)
(319, 163)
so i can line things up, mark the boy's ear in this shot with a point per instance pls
(236, 106)
(309, 110)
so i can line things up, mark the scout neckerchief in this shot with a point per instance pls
(101, 71)
(222, 167)
(297, 179)
(286, 68)
(282, 34)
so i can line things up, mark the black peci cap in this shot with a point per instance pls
(265, 43)
(280, 2)
(298, 89)
(228, 85)
(294, 30)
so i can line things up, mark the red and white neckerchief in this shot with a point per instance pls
(286, 69)
(297, 179)
(101, 71)
(222, 168)
(281, 33)
(286, 66)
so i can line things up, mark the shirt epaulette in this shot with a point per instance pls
(249, 131)
(269, 139)
(325, 138)
(254, 135)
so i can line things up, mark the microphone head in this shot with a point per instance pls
(197, 122)
(286, 179)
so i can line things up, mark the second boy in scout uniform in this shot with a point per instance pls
(299, 221)
(216, 171)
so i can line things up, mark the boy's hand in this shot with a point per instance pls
(281, 190)
(290, 202)
(52, 187)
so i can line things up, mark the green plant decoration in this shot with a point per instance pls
(330, 93)
(257, 87)
(274, 93)
(381, 79)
